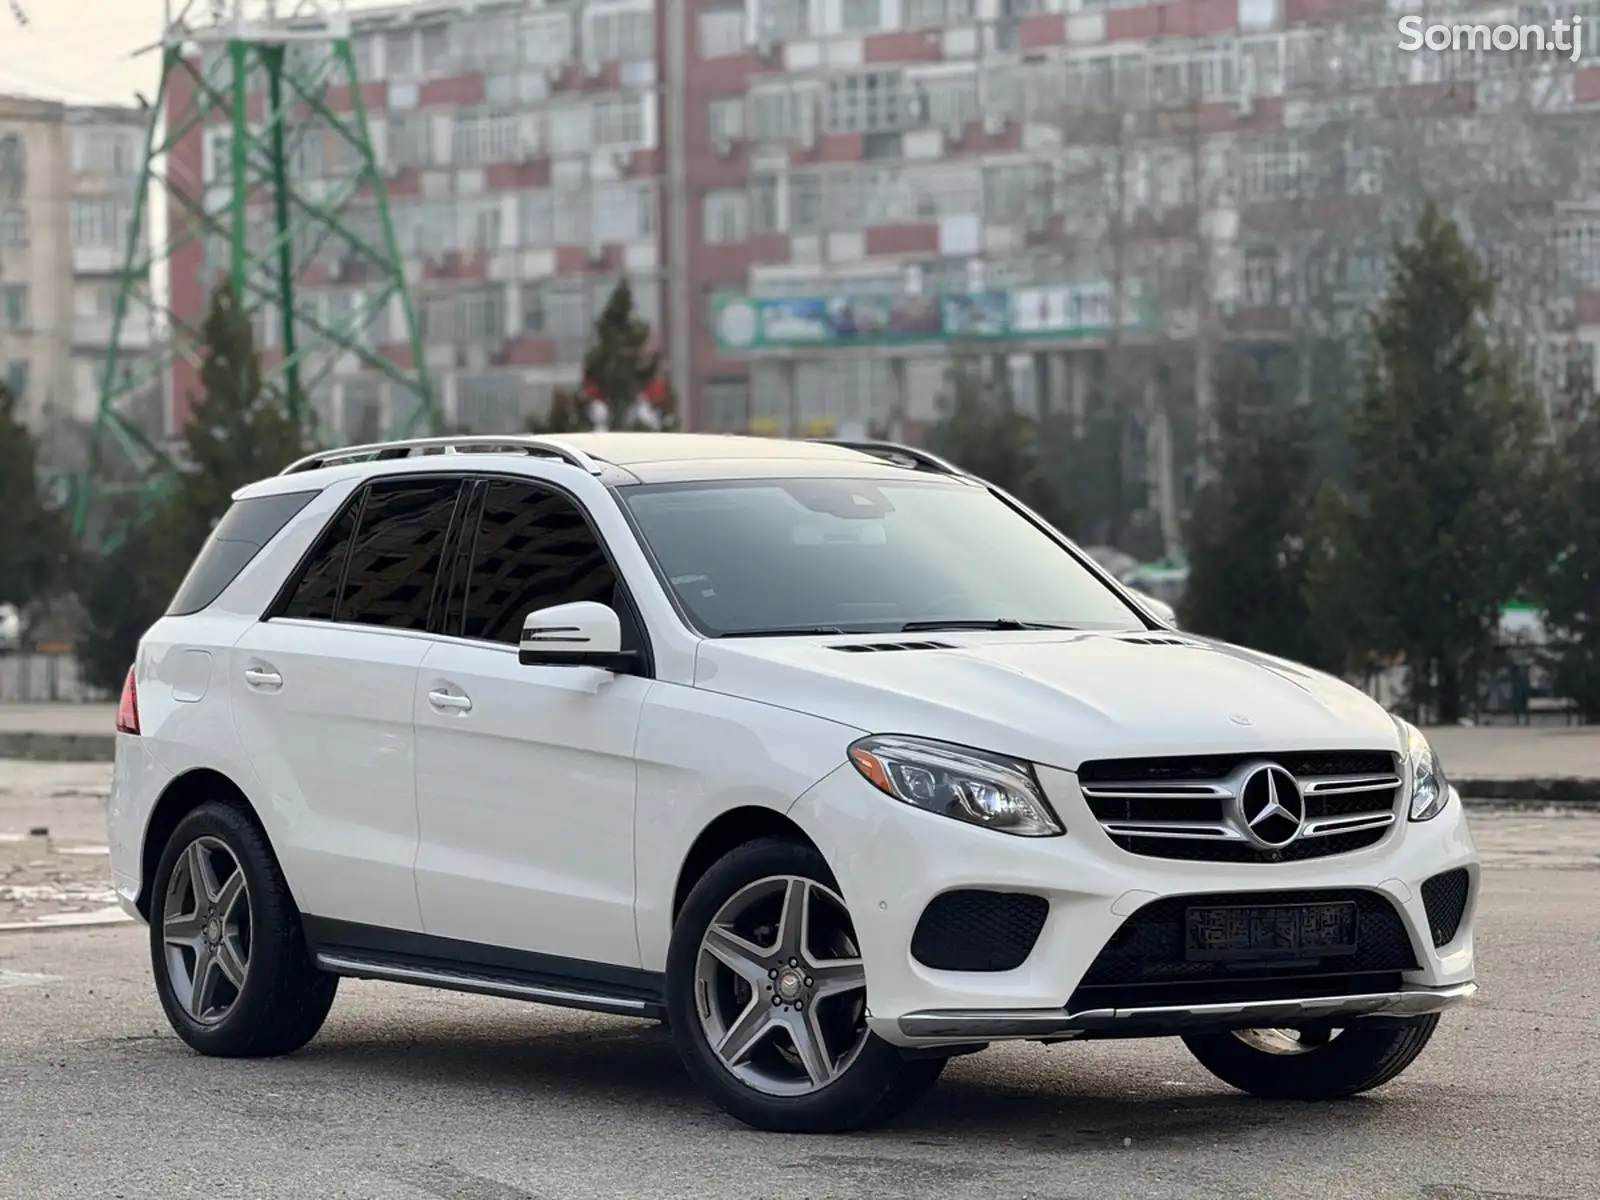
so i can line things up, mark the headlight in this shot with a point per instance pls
(1429, 791)
(980, 789)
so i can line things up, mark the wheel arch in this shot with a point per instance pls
(179, 798)
(728, 831)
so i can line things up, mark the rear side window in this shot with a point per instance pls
(244, 529)
(395, 557)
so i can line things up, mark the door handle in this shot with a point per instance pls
(262, 677)
(449, 700)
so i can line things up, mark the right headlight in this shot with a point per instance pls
(1429, 790)
(966, 785)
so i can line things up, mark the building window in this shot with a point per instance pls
(14, 227)
(726, 118)
(1273, 170)
(546, 39)
(100, 223)
(624, 212)
(727, 405)
(409, 140)
(778, 20)
(765, 215)
(14, 306)
(105, 151)
(868, 102)
(438, 52)
(936, 14)
(570, 130)
(777, 114)
(619, 122)
(13, 160)
(727, 216)
(480, 137)
(860, 16)
(570, 219)
(17, 378)
(1578, 248)
(1261, 276)
(721, 30)
(629, 35)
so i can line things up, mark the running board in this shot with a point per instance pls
(485, 985)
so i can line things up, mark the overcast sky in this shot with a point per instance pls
(79, 49)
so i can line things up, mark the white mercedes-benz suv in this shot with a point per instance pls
(836, 759)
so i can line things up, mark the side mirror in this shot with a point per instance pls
(1159, 609)
(584, 634)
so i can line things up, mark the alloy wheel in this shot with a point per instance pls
(206, 930)
(1286, 1041)
(780, 988)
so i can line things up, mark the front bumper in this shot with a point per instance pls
(891, 861)
(996, 1025)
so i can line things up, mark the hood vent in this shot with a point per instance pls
(1156, 640)
(882, 647)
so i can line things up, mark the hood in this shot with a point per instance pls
(1054, 698)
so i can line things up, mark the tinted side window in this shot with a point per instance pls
(316, 595)
(245, 528)
(534, 549)
(394, 559)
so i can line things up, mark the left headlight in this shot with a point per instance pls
(989, 790)
(1429, 790)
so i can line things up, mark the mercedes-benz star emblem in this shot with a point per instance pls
(1271, 810)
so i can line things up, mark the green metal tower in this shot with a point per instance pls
(258, 168)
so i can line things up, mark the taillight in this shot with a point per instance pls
(128, 707)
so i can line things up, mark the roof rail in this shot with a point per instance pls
(900, 455)
(463, 444)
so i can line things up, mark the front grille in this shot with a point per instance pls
(974, 930)
(1444, 897)
(1143, 964)
(1178, 808)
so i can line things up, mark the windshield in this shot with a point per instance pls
(746, 557)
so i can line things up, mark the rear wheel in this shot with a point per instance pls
(231, 965)
(766, 998)
(1315, 1063)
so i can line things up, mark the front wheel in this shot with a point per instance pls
(1314, 1063)
(766, 999)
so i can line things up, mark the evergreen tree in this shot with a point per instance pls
(1246, 533)
(36, 547)
(619, 370)
(238, 432)
(980, 430)
(1437, 533)
(1569, 591)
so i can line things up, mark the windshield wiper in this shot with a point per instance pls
(794, 631)
(998, 623)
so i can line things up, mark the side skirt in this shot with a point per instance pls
(396, 956)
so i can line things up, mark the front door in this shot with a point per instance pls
(525, 775)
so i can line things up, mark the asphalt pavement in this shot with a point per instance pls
(415, 1095)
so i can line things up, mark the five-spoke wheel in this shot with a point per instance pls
(231, 965)
(206, 923)
(1316, 1062)
(767, 998)
(780, 987)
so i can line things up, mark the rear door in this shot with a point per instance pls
(322, 700)
(526, 775)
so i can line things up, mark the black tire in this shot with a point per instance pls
(1356, 1060)
(875, 1088)
(285, 997)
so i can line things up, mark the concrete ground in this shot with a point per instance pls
(412, 1095)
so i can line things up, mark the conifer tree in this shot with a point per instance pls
(36, 547)
(1439, 529)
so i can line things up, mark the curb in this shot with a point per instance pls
(1573, 791)
(59, 747)
(95, 920)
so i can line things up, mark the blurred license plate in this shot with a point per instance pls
(1280, 931)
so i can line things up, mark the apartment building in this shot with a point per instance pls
(68, 179)
(817, 201)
